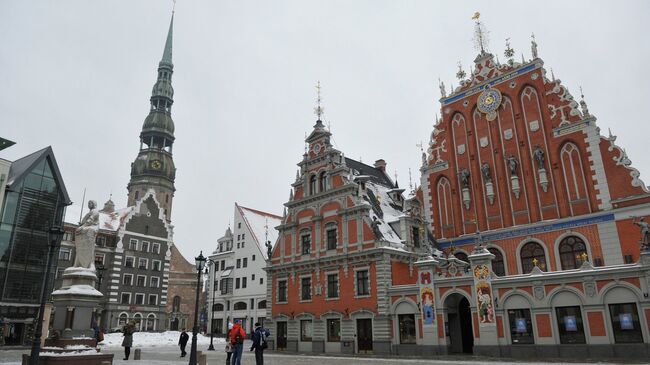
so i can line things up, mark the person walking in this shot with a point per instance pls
(259, 343)
(127, 342)
(237, 336)
(228, 348)
(182, 341)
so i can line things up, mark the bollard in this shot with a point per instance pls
(136, 355)
(202, 358)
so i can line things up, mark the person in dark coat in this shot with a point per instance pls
(183, 342)
(127, 342)
(259, 343)
(228, 348)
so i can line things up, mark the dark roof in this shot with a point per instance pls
(376, 174)
(22, 166)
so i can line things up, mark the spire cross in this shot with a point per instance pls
(319, 109)
(173, 6)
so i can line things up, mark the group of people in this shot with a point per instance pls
(235, 343)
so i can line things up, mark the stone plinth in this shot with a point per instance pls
(75, 303)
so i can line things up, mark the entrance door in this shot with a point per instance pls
(364, 335)
(282, 335)
(459, 324)
(174, 324)
(465, 316)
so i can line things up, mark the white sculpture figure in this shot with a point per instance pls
(85, 238)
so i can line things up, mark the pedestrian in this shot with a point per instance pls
(237, 336)
(259, 343)
(183, 342)
(228, 348)
(127, 342)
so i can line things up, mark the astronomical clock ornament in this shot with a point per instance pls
(488, 103)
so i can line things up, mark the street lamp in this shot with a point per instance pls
(213, 266)
(54, 235)
(200, 264)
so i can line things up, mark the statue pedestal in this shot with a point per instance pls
(75, 303)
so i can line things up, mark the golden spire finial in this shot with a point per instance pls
(480, 34)
(318, 110)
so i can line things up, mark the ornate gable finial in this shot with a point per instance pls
(480, 34)
(441, 85)
(552, 75)
(318, 110)
(509, 53)
(533, 45)
(583, 104)
(460, 75)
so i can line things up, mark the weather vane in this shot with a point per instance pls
(480, 34)
(318, 110)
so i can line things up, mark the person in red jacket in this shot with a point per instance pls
(237, 336)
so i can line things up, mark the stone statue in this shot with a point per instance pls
(85, 238)
(443, 92)
(533, 46)
(485, 170)
(375, 228)
(645, 233)
(464, 177)
(269, 248)
(539, 156)
(513, 164)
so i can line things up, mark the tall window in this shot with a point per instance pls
(245, 262)
(282, 291)
(569, 323)
(521, 327)
(127, 279)
(415, 233)
(133, 244)
(363, 283)
(312, 185)
(305, 288)
(145, 246)
(625, 323)
(406, 328)
(126, 298)
(153, 299)
(333, 285)
(306, 244)
(532, 254)
(321, 181)
(333, 330)
(141, 280)
(129, 261)
(498, 265)
(331, 238)
(306, 330)
(176, 304)
(573, 252)
(155, 248)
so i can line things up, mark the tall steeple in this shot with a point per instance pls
(154, 167)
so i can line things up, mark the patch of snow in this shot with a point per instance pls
(75, 353)
(79, 290)
(155, 339)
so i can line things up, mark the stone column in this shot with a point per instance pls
(481, 265)
(427, 303)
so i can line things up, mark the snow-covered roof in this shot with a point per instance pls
(386, 210)
(261, 225)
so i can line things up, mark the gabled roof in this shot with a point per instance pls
(376, 174)
(261, 224)
(23, 166)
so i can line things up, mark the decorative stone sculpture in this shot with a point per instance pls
(375, 228)
(485, 170)
(513, 164)
(269, 248)
(464, 177)
(645, 233)
(539, 157)
(85, 238)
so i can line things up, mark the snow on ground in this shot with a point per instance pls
(155, 339)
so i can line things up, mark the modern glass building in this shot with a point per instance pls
(34, 200)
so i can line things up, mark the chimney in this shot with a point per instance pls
(381, 165)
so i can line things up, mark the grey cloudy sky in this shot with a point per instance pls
(77, 75)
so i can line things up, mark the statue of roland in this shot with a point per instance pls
(85, 238)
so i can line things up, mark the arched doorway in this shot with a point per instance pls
(459, 325)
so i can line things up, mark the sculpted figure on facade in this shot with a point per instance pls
(485, 170)
(269, 248)
(645, 233)
(539, 156)
(513, 164)
(85, 238)
(464, 177)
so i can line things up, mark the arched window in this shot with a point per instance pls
(573, 252)
(461, 256)
(151, 322)
(176, 304)
(532, 254)
(138, 321)
(498, 265)
(261, 304)
(445, 210)
(239, 306)
(218, 307)
(322, 183)
(312, 185)
(123, 319)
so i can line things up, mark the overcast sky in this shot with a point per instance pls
(77, 75)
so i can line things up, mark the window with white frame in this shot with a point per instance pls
(127, 279)
(153, 299)
(331, 233)
(305, 288)
(144, 247)
(154, 282)
(64, 254)
(139, 298)
(155, 265)
(155, 247)
(305, 243)
(282, 291)
(141, 280)
(332, 285)
(133, 244)
(362, 282)
(143, 263)
(129, 261)
(99, 259)
(125, 298)
(100, 241)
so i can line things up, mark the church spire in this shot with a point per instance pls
(167, 53)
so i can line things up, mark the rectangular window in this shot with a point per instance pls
(245, 262)
(253, 258)
(238, 263)
(243, 282)
(142, 264)
(126, 298)
(252, 277)
(261, 281)
(237, 283)
(306, 330)
(155, 265)
(100, 241)
(129, 261)
(242, 244)
(145, 246)
(67, 236)
(238, 237)
(521, 327)
(216, 286)
(139, 299)
(333, 285)
(239, 225)
(331, 239)
(569, 324)
(155, 248)
(223, 265)
(153, 299)
(416, 236)
(306, 244)
(154, 282)
(363, 283)
(305, 288)
(333, 330)
(406, 328)
(625, 323)
(64, 254)
(99, 259)
(226, 286)
(141, 280)
(282, 290)
(133, 244)
(127, 279)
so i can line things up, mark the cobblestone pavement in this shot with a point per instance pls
(170, 356)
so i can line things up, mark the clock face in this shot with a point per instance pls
(488, 102)
(156, 164)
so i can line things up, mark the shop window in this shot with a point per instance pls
(532, 254)
(406, 328)
(498, 264)
(333, 330)
(521, 327)
(306, 330)
(569, 324)
(625, 323)
(573, 252)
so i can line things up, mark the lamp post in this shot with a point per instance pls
(55, 235)
(200, 264)
(213, 266)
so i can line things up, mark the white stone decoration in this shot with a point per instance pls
(507, 134)
(460, 149)
(543, 179)
(466, 197)
(534, 126)
(489, 191)
(516, 189)
(483, 142)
